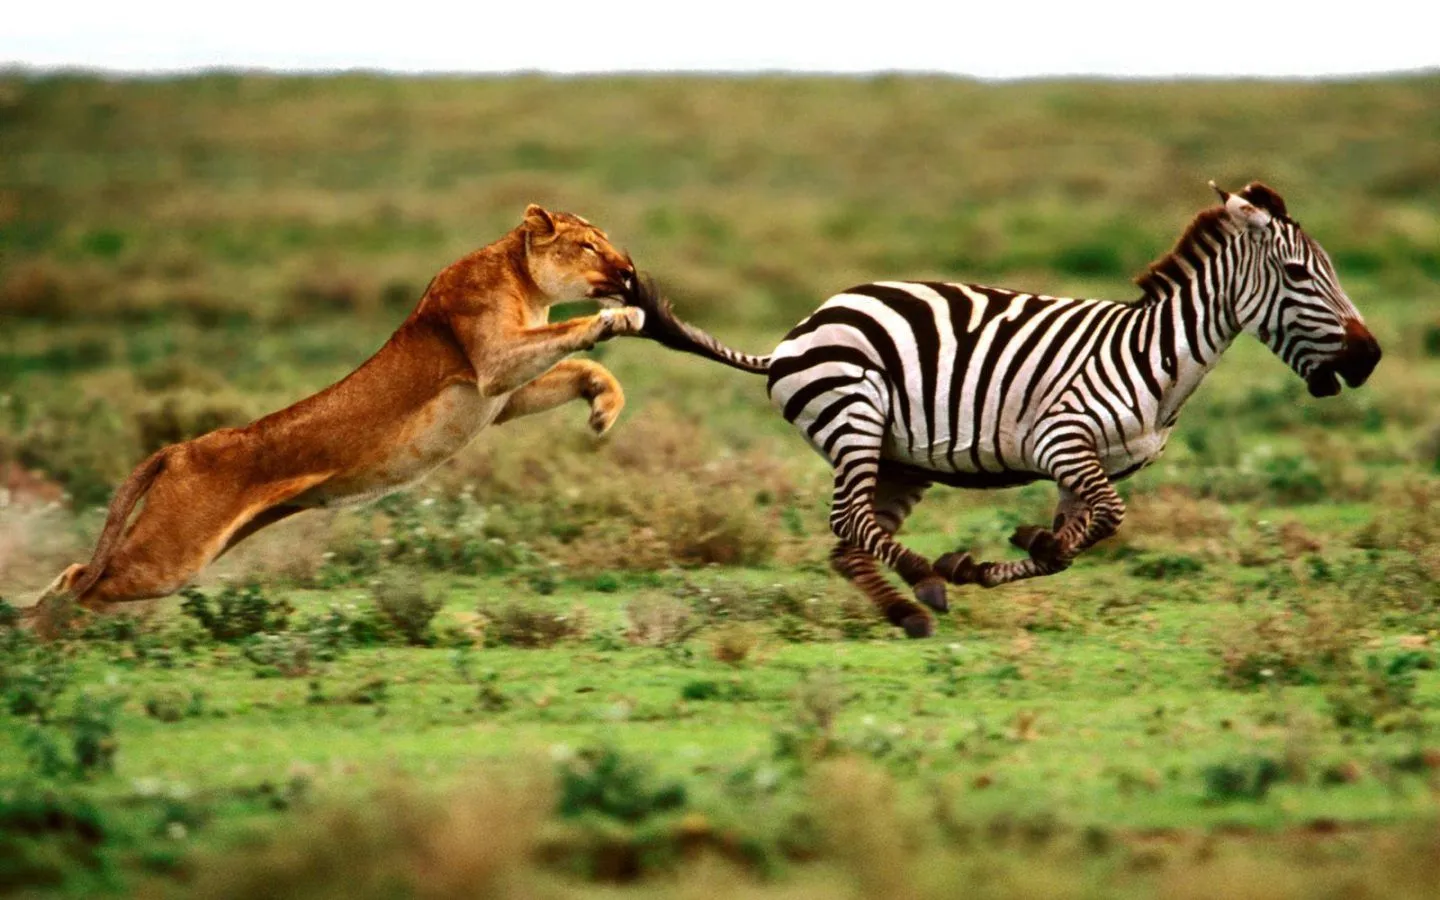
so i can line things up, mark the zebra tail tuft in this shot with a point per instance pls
(664, 327)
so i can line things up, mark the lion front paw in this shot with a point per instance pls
(622, 321)
(604, 410)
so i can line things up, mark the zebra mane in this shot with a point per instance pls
(1213, 223)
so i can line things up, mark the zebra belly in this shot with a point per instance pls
(958, 464)
(1137, 452)
(971, 480)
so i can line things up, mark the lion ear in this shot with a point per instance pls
(539, 223)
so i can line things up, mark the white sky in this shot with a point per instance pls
(994, 39)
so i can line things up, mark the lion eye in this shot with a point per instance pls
(1297, 272)
(589, 248)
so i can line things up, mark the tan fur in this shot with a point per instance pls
(477, 350)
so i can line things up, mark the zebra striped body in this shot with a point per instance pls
(999, 366)
(902, 384)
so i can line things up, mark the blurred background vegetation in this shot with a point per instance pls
(179, 254)
(182, 254)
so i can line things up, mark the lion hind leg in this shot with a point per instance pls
(173, 541)
(62, 585)
(52, 604)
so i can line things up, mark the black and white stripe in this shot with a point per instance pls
(904, 384)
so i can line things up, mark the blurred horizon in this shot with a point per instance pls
(1114, 39)
(30, 71)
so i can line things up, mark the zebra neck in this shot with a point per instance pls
(1190, 324)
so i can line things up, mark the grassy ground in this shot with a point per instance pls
(569, 668)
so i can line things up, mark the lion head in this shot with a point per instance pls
(569, 259)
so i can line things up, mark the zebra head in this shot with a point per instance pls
(1296, 305)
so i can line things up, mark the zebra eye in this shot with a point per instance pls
(1297, 272)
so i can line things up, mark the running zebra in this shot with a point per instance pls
(903, 384)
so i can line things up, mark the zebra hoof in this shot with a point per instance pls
(957, 568)
(919, 625)
(1040, 543)
(931, 592)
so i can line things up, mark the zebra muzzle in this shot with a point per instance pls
(1354, 363)
(1323, 382)
(1360, 356)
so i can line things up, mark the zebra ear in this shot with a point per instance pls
(1265, 197)
(1245, 214)
(1224, 194)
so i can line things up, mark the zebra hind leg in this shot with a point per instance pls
(895, 497)
(861, 569)
(866, 534)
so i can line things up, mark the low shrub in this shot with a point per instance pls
(1247, 780)
(1283, 645)
(659, 621)
(1166, 566)
(1409, 520)
(79, 745)
(405, 606)
(733, 643)
(281, 655)
(171, 703)
(236, 612)
(342, 627)
(180, 416)
(31, 682)
(605, 782)
(1379, 694)
(531, 623)
(45, 836)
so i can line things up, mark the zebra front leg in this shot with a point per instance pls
(1099, 514)
(1044, 543)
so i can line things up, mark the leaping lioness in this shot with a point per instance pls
(476, 351)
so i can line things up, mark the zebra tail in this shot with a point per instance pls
(664, 327)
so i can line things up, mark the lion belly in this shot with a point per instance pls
(409, 450)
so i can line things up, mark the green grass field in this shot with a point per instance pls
(563, 667)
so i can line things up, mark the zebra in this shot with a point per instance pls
(904, 384)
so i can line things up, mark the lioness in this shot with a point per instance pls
(476, 351)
